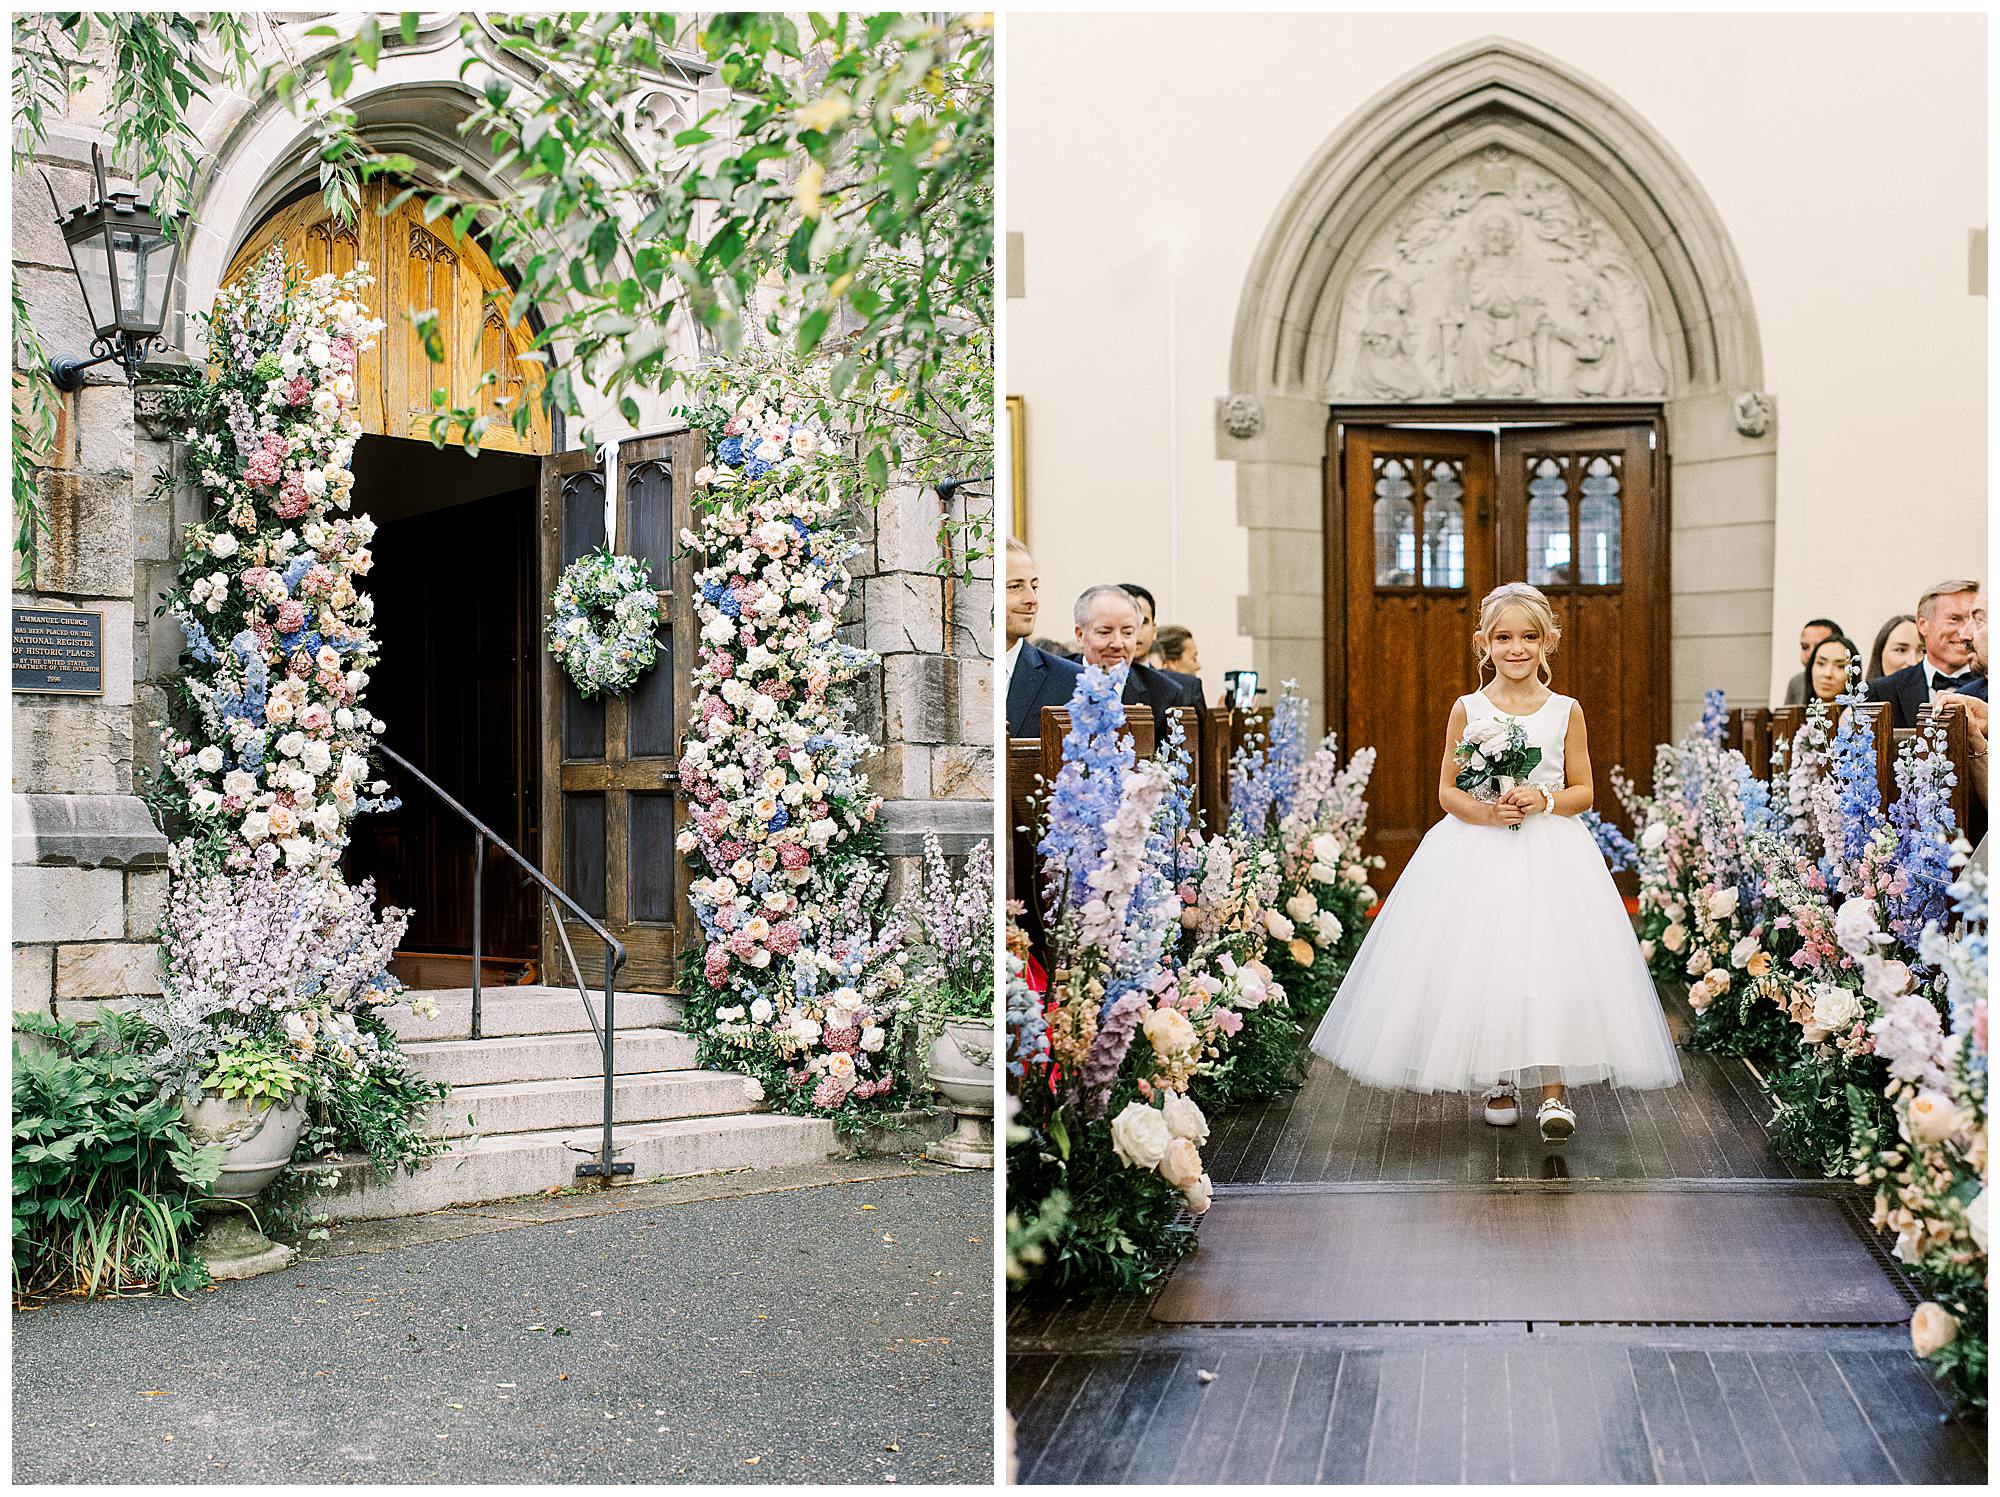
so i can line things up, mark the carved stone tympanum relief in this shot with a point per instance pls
(1496, 283)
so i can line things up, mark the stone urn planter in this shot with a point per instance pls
(260, 1141)
(960, 1067)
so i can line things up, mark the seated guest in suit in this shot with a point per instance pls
(1174, 648)
(1107, 632)
(1826, 667)
(1034, 679)
(1149, 642)
(1972, 700)
(1945, 617)
(1896, 645)
(1798, 692)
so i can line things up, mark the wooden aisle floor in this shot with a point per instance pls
(1102, 1392)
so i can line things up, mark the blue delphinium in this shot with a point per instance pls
(1285, 749)
(1714, 714)
(1084, 798)
(1619, 850)
(1249, 790)
(200, 646)
(1851, 760)
(1925, 828)
(300, 565)
(1177, 808)
(1027, 1024)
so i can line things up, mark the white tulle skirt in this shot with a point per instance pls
(1501, 955)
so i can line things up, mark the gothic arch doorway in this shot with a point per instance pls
(1495, 241)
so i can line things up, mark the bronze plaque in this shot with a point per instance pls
(59, 651)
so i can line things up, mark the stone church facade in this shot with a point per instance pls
(88, 863)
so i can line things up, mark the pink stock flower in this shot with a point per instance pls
(292, 500)
(831, 1092)
(784, 938)
(291, 616)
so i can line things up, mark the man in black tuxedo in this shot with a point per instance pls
(1947, 616)
(1107, 634)
(1035, 679)
(1149, 634)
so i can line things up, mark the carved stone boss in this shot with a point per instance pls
(1497, 283)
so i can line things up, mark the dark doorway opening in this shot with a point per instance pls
(457, 611)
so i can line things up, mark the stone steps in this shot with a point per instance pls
(547, 1057)
(533, 1009)
(497, 1167)
(578, 1102)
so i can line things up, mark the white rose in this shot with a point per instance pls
(1722, 903)
(873, 1038)
(806, 1029)
(256, 827)
(1933, 1117)
(1323, 873)
(1855, 928)
(1181, 1165)
(1975, 1218)
(1277, 925)
(1302, 906)
(327, 819)
(1199, 1195)
(223, 545)
(1674, 937)
(1834, 1007)
(1646, 950)
(240, 783)
(760, 1010)
(1140, 1136)
(1654, 837)
(1326, 849)
(1742, 951)
(1185, 1118)
(1328, 925)
(206, 800)
(1700, 962)
(317, 758)
(299, 852)
(210, 759)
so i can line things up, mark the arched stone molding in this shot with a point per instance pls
(411, 103)
(1497, 95)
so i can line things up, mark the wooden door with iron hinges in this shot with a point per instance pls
(611, 801)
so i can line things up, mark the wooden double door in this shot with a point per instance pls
(1423, 521)
(610, 792)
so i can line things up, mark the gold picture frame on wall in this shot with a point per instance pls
(1017, 463)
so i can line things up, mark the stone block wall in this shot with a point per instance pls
(88, 865)
(929, 700)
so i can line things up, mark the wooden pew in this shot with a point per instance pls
(1024, 830)
(1967, 809)
(1755, 742)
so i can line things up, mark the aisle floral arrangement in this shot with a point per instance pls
(275, 971)
(803, 979)
(1821, 936)
(1162, 1003)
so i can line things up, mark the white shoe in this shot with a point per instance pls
(1556, 1120)
(1502, 1110)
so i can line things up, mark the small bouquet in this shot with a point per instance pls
(1494, 751)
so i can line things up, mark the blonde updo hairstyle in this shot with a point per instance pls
(1531, 601)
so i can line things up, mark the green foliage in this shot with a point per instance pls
(246, 1071)
(1264, 1058)
(375, 1106)
(1740, 1023)
(105, 1175)
(1118, 1229)
(1824, 1103)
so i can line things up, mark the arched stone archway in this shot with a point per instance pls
(411, 103)
(1599, 192)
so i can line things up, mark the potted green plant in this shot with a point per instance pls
(252, 1103)
(957, 1023)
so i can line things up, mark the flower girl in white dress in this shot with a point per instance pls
(1503, 957)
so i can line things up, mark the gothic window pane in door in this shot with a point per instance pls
(1548, 521)
(1597, 521)
(649, 499)
(583, 850)
(650, 855)
(1395, 524)
(1444, 523)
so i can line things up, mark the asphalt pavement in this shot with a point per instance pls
(824, 1332)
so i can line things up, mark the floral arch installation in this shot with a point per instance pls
(417, 266)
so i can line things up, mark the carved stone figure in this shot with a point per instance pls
(1496, 281)
(1242, 417)
(1753, 413)
(1386, 366)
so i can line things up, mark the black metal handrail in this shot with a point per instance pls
(603, 1166)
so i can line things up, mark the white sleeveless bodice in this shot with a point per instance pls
(1547, 726)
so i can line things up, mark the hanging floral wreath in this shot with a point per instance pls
(606, 612)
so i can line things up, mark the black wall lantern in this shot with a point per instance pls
(124, 257)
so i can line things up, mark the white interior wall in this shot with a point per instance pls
(1845, 155)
